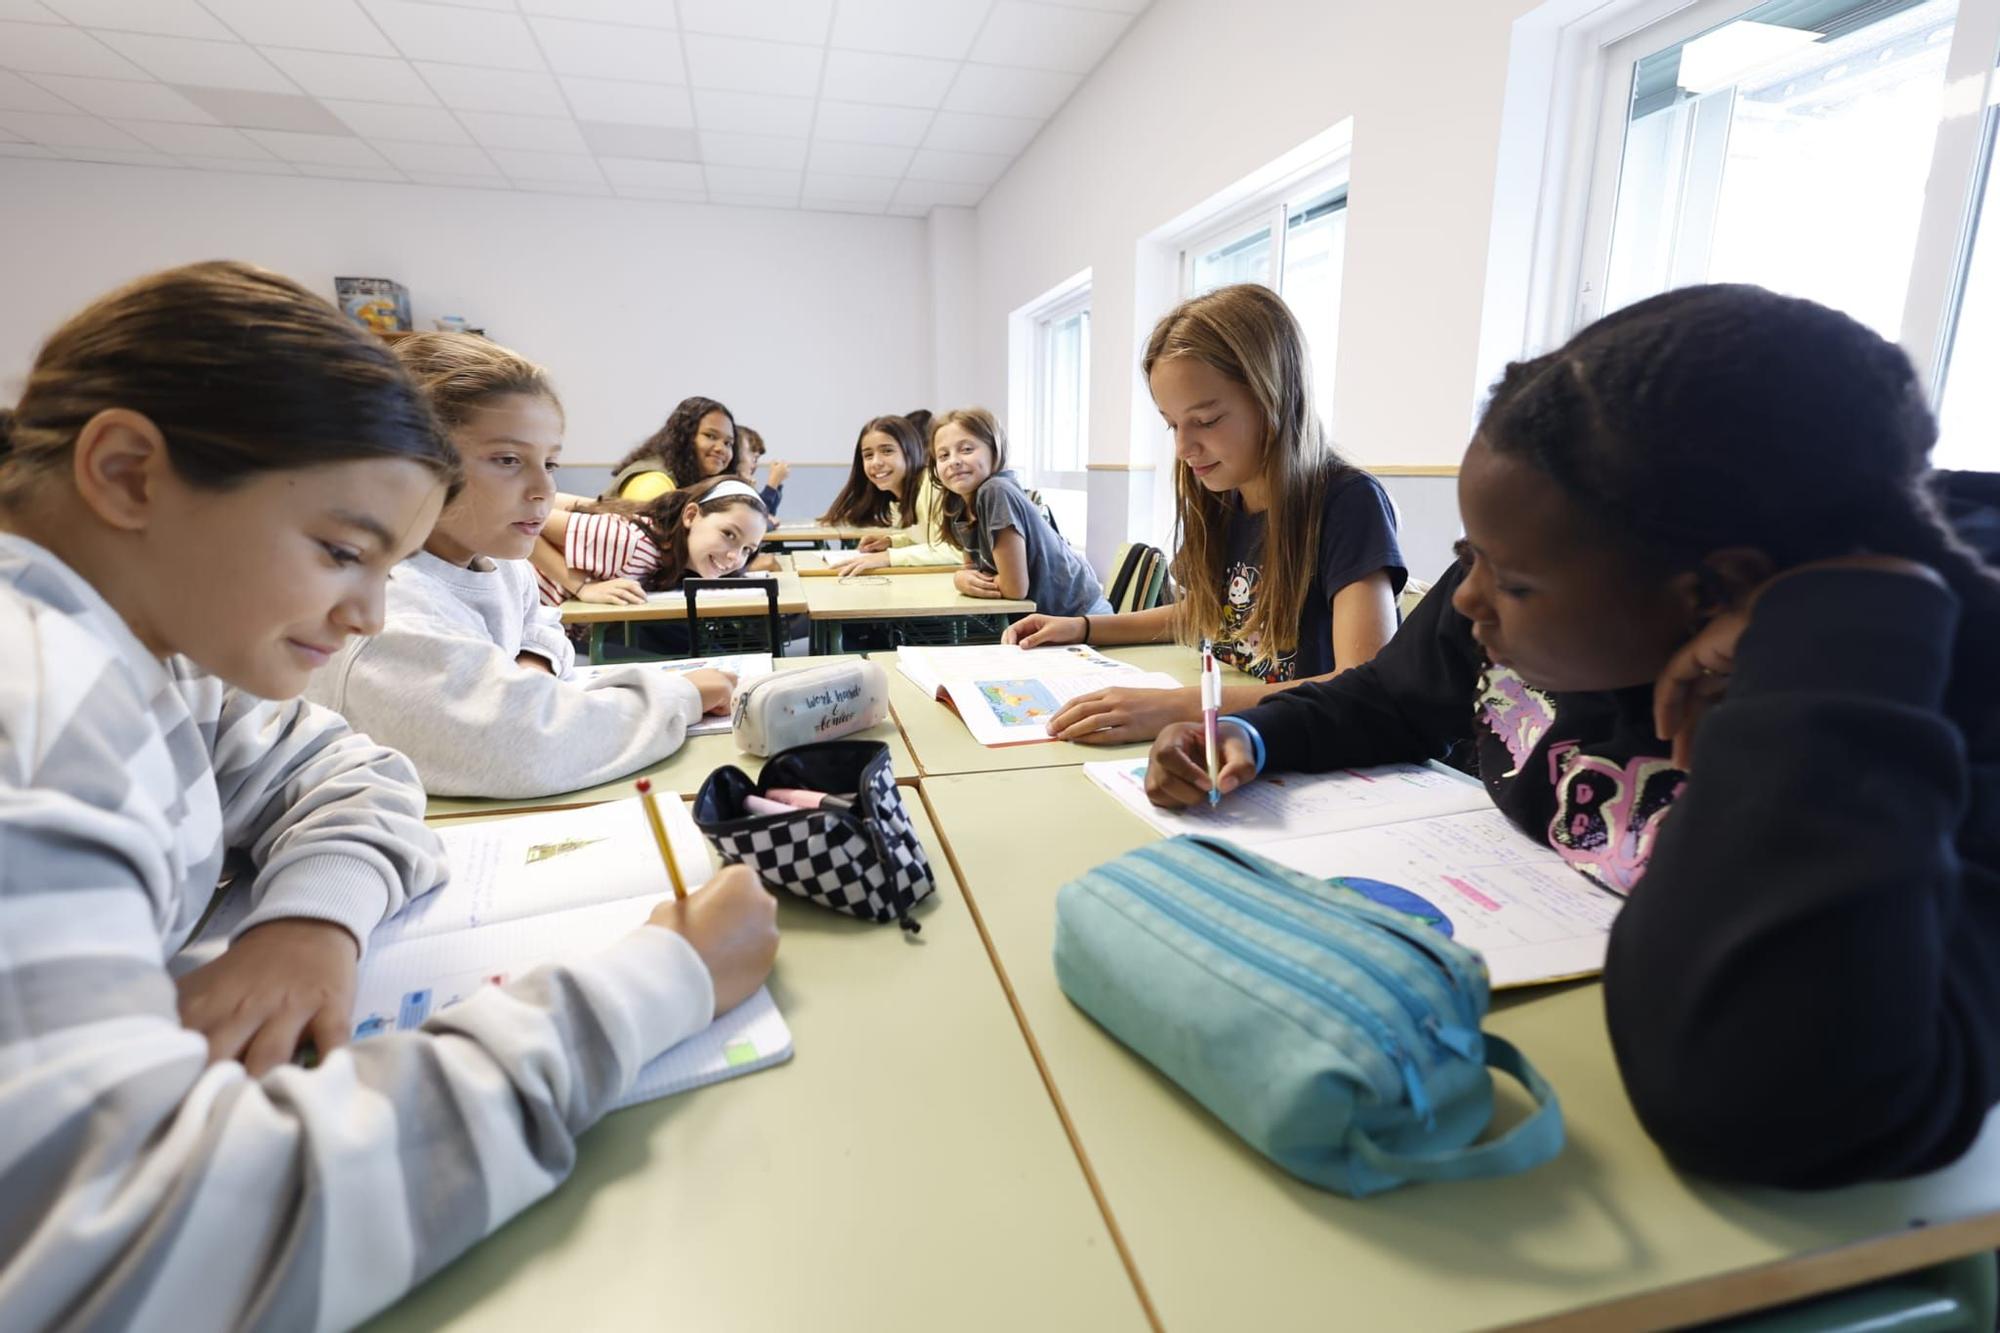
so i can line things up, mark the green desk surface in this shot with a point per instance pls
(903, 1171)
(1606, 1236)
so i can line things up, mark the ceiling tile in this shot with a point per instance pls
(207, 64)
(752, 150)
(547, 166)
(625, 172)
(656, 142)
(645, 13)
(196, 140)
(930, 164)
(1037, 36)
(753, 181)
(1113, 6)
(960, 132)
(754, 113)
(339, 172)
(752, 200)
(8, 136)
(258, 166)
(168, 18)
(465, 89)
(461, 36)
(264, 111)
(125, 97)
(771, 20)
(825, 187)
(859, 159)
(591, 187)
(943, 28)
(17, 94)
(629, 103)
(123, 157)
(928, 194)
(40, 49)
(610, 51)
(841, 206)
(851, 122)
(414, 124)
(311, 25)
(853, 76)
(540, 134)
(675, 196)
(27, 150)
(28, 11)
(361, 78)
(752, 67)
(452, 180)
(66, 131)
(990, 91)
(317, 149)
(453, 159)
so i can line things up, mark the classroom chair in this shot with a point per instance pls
(1413, 592)
(1956, 1297)
(710, 636)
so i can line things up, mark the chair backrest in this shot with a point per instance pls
(1413, 592)
(1035, 499)
(773, 626)
(1156, 583)
(1125, 566)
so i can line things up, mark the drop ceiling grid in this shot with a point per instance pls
(913, 103)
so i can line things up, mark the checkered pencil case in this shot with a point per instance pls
(864, 861)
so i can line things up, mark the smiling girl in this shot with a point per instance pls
(1718, 650)
(889, 486)
(207, 480)
(697, 441)
(1288, 561)
(1010, 549)
(618, 551)
(469, 676)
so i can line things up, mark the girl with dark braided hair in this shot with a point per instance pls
(697, 441)
(1708, 628)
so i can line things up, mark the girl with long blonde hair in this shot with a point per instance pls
(1287, 558)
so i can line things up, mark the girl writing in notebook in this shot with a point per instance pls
(697, 440)
(1714, 644)
(1011, 550)
(889, 486)
(471, 676)
(1288, 561)
(208, 477)
(618, 551)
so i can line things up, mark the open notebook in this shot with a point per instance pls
(1429, 839)
(1007, 694)
(537, 888)
(746, 667)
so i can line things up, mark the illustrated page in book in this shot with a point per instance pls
(746, 667)
(1424, 840)
(1007, 694)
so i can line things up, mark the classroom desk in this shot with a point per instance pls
(814, 534)
(812, 565)
(683, 770)
(673, 606)
(941, 743)
(1606, 1236)
(904, 1170)
(833, 603)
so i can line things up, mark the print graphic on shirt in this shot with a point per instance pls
(1608, 814)
(1515, 712)
(1245, 651)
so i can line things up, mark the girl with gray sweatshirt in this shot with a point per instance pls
(471, 676)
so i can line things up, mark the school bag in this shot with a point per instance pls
(1338, 1037)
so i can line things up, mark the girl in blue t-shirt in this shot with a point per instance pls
(1288, 561)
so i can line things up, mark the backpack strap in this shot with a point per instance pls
(1530, 1143)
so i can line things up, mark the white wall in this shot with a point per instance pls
(1198, 95)
(806, 324)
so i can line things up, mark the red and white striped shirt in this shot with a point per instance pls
(602, 546)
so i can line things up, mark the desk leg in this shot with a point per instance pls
(597, 642)
(836, 636)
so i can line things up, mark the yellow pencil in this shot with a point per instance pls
(660, 836)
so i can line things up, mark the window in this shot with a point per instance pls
(1824, 148)
(1062, 393)
(1292, 244)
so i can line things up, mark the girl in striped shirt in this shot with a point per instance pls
(617, 551)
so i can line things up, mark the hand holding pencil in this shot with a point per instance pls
(732, 920)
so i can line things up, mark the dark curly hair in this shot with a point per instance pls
(673, 442)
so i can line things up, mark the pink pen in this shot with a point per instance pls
(1211, 706)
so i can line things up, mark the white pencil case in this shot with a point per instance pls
(789, 708)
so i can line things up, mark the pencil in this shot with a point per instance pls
(660, 836)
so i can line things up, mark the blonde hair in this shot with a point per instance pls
(1246, 333)
(462, 372)
(981, 425)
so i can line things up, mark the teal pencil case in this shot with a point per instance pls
(1337, 1036)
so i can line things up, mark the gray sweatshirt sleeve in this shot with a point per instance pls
(542, 631)
(475, 723)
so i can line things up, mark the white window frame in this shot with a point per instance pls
(1595, 54)
(1269, 209)
(1028, 383)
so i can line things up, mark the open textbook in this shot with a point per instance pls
(539, 888)
(1430, 839)
(1007, 694)
(746, 667)
(824, 564)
